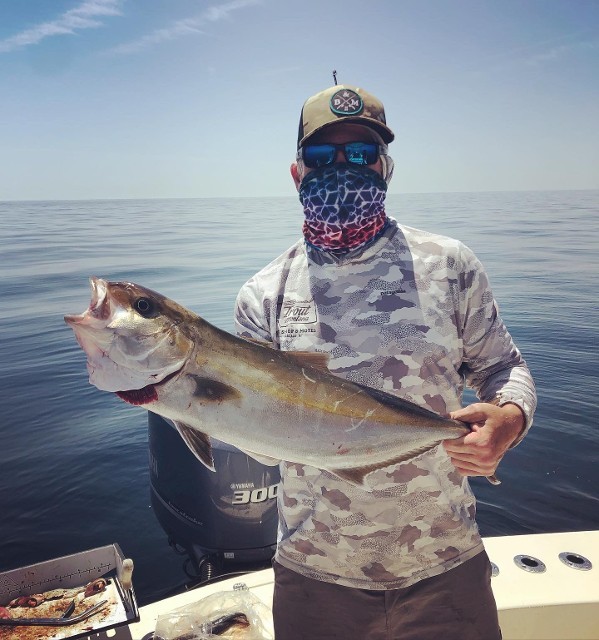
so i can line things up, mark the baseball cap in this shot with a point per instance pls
(346, 103)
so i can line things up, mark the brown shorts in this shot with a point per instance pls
(456, 605)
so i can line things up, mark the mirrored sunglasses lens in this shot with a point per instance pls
(361, 153)
(319, 155)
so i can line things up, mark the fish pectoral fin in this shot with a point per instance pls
(357, 475)
(198, 442)
(262, 459)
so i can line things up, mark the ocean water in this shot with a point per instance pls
(74, 461)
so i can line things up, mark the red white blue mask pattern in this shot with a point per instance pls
(344, 206)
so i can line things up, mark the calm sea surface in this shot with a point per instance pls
(74, 461)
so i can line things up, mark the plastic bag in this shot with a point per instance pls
(227, 615)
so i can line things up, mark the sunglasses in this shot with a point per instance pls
(323, 155)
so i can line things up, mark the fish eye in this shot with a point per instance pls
(145, 307)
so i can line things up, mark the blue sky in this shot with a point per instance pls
(201, 98)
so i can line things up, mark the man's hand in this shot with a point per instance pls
(494, 429)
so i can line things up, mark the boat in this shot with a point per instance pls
(546, 586)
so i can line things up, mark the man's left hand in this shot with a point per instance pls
(494, 430)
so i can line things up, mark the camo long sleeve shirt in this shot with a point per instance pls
(412, 314)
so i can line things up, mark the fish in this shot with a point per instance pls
(273, 405)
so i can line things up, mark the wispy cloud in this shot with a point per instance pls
(554, 53)
(536, 53)
(84, 16)
(185, 26)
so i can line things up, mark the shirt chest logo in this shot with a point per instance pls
(297, 312)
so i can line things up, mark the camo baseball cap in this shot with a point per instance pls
(342, 102)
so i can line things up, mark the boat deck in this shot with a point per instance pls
(559, 603)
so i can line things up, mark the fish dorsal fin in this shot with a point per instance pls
(198, 442)
(262, 343)
(314, 359)
(357, 475)
(402, 404)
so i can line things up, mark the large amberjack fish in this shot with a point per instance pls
(272, 404)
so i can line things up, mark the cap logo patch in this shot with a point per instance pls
(346, 103)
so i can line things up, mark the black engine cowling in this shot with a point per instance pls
(229, 517)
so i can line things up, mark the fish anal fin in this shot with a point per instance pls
(198, 443)
(357, 475)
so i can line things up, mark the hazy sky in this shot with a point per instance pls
(201, 98)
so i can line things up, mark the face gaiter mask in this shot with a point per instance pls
(344, 206)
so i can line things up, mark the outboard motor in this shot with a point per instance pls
(225, 521)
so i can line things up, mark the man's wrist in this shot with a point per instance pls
(515, 420)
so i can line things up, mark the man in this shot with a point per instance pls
(411, 313)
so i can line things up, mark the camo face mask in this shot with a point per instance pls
(344, 206)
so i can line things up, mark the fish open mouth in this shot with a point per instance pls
(146, 394)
